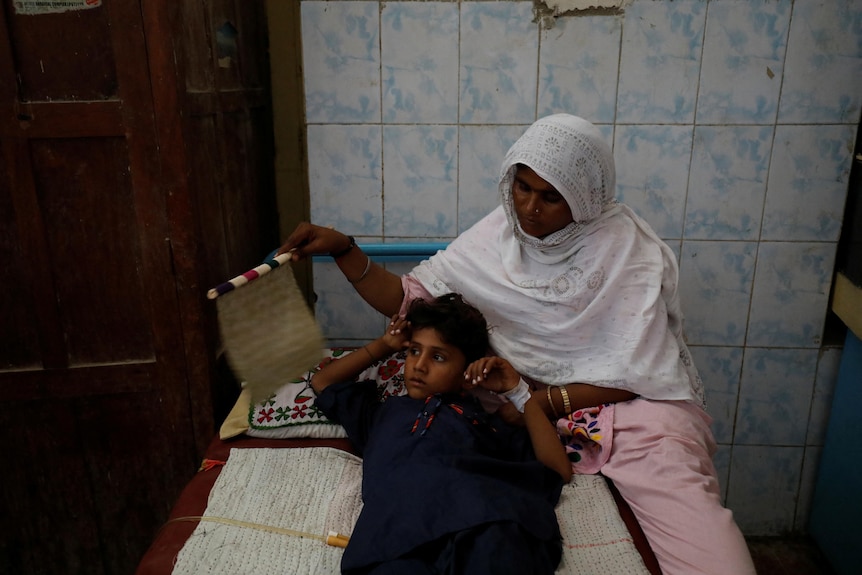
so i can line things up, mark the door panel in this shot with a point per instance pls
(92, 238)
(46, 467)
(135, 173)
(19, 343)
(95, 411)
(83, 68)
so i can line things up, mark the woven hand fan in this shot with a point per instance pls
(269, 333)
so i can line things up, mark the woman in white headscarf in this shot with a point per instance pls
(581, 297)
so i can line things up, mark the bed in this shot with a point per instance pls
(278, 489)
(279, 478)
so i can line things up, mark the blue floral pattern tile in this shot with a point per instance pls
(578, 67)
(823, 70)
(743, 59)
(764, 483)
(716, 271)
(790, 295)
(421, 184)
(808, 183)
(498, 82)
(660, 61)
(652, 173)
(775, 396)
(727, 182)
(345, 178)
(341, 61)
(419, 55)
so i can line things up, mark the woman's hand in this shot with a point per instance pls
(493, 373)
(308, 239)
(378, 286)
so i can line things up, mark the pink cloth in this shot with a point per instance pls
(588, 434)
(661, 463)
(413, 289)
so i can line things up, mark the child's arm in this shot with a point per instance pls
(350, 366)
(546, 442)
(498, 375)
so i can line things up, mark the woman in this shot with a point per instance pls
(582, 297)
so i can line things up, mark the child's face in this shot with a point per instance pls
(432, 365)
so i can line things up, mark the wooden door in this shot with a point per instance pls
(95, 418)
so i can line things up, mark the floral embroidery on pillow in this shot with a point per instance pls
(291, 412)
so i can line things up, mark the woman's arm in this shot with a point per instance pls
(349, 367)
(380, 288)
(580, 395)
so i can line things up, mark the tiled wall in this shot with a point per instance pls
(732, 124)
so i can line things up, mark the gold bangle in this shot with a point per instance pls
(551, 403)
(365, 273)
(567, 405)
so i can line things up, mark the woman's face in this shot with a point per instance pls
(541, 210)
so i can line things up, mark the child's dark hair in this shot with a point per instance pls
(458, 323)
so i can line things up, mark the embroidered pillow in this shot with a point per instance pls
(290, 412)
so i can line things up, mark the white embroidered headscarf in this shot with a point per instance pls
(594, 302)
(570, 154)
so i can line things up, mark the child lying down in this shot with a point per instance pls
(447, 488)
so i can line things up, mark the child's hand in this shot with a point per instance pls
(397, 334)
(493, 373)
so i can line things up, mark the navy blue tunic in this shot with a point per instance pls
(433, 469)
